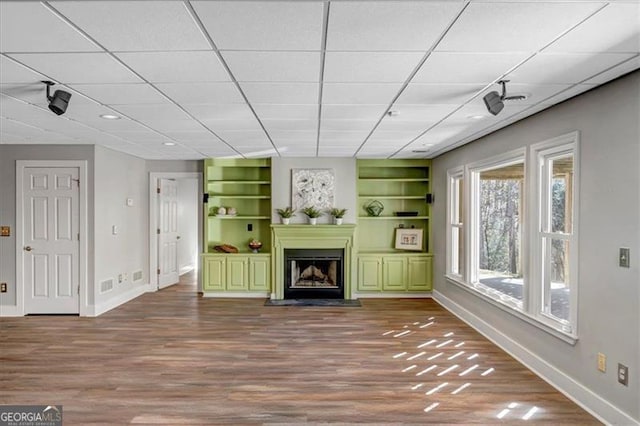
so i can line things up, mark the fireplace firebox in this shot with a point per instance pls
(314, 274)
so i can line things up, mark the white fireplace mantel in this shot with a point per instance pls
(312, 237)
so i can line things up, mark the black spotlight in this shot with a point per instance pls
(59, 102)
(494, 101)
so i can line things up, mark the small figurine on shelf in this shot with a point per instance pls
(231, 211)
(221, 211)
(255, 245)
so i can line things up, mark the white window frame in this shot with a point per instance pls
(542, 153)
(532, 267)
(454, 199)
(473, 219)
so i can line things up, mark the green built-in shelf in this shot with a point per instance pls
(393, 217)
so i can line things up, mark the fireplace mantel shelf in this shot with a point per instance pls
(312, 237)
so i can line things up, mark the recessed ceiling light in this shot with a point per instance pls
(168, 143)
(110, 117)
(393, 113)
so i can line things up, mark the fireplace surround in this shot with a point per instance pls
(326, 240)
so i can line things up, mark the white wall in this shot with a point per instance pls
(188, 207)
(9, 154)
(345, 196)
(118, 177)
(609, 300)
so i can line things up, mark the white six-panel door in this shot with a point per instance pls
(169, 272)
(50, 240)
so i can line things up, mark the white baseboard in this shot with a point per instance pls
(237, 294)
(600, 408)
(118, 300)
(10, 311)
(393, 295)
(187, 268)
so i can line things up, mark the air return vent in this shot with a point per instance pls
(106, 285)
(137, 276)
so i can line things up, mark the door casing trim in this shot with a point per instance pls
(85, 309)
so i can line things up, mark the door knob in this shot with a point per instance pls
(28, 248)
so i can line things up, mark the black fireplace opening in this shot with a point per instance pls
(314, 274)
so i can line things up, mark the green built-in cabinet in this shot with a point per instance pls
(401, 186)
(245, 185)
(236, 272)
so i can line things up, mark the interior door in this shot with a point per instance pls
(51, 240)
(168, 270)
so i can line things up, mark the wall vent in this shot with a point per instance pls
(137, 276)
(106, 285)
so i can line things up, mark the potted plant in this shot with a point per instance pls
(313, 214)
(286, 214)
(337, 214)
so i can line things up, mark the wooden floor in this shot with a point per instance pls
(172, 357)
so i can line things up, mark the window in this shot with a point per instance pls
(512, 232)
(455, 235)
(555, 257)
(496, 227)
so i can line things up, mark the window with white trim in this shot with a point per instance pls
(512, 232)
(455, 227)
(554, 262)
(495, 252)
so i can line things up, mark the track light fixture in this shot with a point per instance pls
(59, 102)
(494, 101)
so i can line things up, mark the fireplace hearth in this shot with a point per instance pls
(314, 274)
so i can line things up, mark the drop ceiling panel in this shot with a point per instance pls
(388, 26)
(441, 67)
(616, 28)
(176, 67)
(250, 25)
(355, 125)
(422, 93)
(221, 112)
(194, 138)
(352, 112)
(272, 125)
(274, 66)
(513, 27)
(281, 137)
(281, 93)
(121, 94)
(348, 136)
(13, 72)
(136, 25)
(223, 125)
(240, 137)
(394, 137)
(565, 68)
(423, 113)
(154, 112)
(78, 68)
(21, 30)
(354, 93)
(624, 68)
(165, 126)
(202, 93)
(374, 67)
(292, 112)
(390, 124)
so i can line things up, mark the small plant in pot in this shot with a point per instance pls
(338, 214)
(313, 214)
(286, 214)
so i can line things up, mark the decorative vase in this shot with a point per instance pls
(286, 220)
(338, 221)
(313, 220)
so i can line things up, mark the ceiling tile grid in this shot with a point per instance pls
(402, 79)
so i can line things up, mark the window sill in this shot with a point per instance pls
(565, 337)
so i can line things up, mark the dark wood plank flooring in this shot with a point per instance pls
(172, 357)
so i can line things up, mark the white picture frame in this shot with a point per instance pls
(409, 239)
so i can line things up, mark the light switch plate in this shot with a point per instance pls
(623, 374)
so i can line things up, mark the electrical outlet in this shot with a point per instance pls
(3, 287)
(623, 374)
(602, 362)
(623, 257)
(120, 278)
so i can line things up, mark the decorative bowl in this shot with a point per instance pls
(255, 245)
(374, 208)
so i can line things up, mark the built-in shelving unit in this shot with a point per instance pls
(243, 184)
(401, 186)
